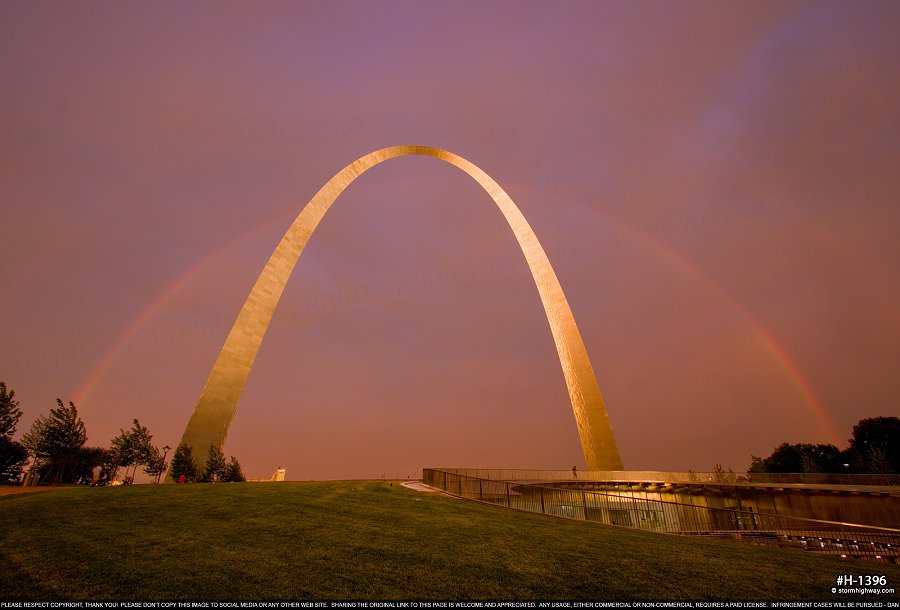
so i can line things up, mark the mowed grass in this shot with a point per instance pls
(365, 540)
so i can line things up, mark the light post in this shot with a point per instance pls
(165, 451)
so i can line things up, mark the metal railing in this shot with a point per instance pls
(728, 477)
(623, 509)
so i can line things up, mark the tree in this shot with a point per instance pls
(13, 455)
(33, 440)
(83, 463)
(874, 448)
(233, 472)
(9, 411)
(875, 445)
(155, 464)
(720, 475)
(876, 461)
(54, 442)
(121, 453)
(757, 464)
(65, 433)
(215, 465)
(800, 457)
(183, 463)
(132, 448)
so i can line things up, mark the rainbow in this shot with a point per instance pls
(776, 350)
(95, 375)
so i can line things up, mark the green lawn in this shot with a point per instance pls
(366, 540)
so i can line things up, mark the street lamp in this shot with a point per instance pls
(165, 451)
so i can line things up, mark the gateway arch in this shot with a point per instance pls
(215, 408)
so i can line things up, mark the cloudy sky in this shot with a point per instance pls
(715, 184)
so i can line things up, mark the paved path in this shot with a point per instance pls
(419, 486)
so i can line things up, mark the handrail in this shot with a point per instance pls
(653, 476)
(617, 508)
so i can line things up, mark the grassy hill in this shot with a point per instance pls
(366, 540)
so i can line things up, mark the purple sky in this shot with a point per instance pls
(716, 185)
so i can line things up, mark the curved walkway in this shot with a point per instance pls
(419, 486)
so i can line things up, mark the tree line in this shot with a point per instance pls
(185, 470)
(53, 451)
(874, 449)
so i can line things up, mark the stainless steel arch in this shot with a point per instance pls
(212, 416)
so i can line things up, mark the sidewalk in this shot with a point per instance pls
(419, 486)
